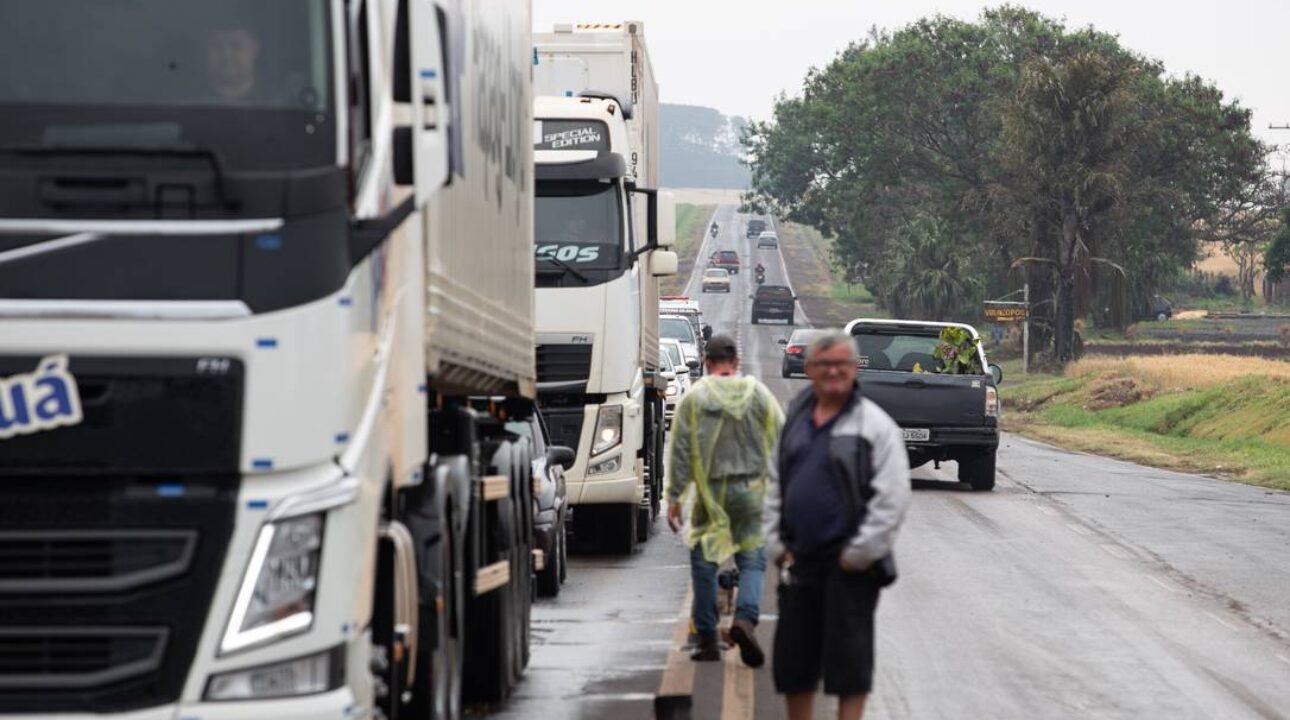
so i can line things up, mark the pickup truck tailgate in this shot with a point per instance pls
(927, 399)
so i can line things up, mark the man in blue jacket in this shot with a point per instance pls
(836, 503)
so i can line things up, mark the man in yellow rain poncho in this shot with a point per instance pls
(723, 433)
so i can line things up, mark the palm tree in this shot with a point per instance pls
(927, 274)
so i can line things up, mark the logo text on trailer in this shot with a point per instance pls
(42, 400)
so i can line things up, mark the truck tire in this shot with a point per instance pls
(978, 470)
(550, 577)
(437, 693)
(491, 644)
(754, 319)
(618, 528)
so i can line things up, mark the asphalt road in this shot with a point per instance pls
(1080, 587)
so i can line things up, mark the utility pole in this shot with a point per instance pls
(1025, 332)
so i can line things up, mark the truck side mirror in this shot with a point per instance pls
(707, 332)
(782, 341)
(664, 263)
(997, 373)
(692, 364)
(561, 455)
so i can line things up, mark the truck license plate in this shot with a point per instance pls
(917, 434)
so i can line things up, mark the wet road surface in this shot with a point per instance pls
(1080, 587)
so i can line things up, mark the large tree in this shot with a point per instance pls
(1029, 139)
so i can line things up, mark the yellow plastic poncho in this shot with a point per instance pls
(722, 436)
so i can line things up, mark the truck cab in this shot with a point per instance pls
(600, 392)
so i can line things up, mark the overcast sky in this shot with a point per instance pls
(737, 55)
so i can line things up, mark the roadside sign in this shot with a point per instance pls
(1006, 312)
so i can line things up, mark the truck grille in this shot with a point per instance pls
(105, 587)
(34, 562)
(141, 415)
(563, 363)
(75, 658)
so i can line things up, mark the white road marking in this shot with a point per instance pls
(1224, 623)
(1283, 658)
(1166, 584)
(1117, 551)
(1046, 510)
(1079, 529)
(616, 697)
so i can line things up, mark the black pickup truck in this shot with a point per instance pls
(773, 302)
(942, 416)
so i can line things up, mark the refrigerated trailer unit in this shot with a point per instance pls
(266, 301)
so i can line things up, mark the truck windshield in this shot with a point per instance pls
(676, 329)
(900, 352)
(578, 224)
(247, 79)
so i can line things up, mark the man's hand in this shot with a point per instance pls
(675, 517)
(785, 558)
(848, 566)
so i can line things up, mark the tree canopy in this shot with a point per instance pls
(1031, 150)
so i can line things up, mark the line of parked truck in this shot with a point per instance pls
(318, 319)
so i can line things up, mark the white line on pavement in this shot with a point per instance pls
(1224, 623)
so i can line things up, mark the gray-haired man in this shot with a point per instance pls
(834, 509)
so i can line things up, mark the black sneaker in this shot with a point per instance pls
(743, 633)
(708, 650)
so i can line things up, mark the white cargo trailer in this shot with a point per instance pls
(258, 263)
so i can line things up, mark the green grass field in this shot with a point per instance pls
(1228, 419)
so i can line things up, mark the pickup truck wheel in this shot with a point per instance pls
(754, 319)
(978, 471)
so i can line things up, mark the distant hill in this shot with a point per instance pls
(699, 148)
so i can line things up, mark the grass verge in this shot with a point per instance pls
(691, 224)
(1225, 416)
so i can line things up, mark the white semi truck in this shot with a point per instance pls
(603, 234)
(266, 301)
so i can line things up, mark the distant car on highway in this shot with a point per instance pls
(550, 509)
(678, 327)
(716, 280)
(678, 381)
(754, 228)
(725, 259)
(942, 416)
(767, 240)
(773, 302)
(676, 353)
(794, 363)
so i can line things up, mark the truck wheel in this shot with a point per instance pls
(437, 695)
(643, 524)
(754, 319)
(549, 577)
(783, 371)
(978, 471)
(490, 641)
(618, 528)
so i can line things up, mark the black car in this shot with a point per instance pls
(795, 352)
(755, 228)
(773, 302)
(550, 508)
(1157, 308)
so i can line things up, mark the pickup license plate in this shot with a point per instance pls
(916, 434)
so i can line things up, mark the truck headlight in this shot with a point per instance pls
(671, 390)
(991, 402)
(609, 428)
(605, 467)
(277, 593)
(308, 675)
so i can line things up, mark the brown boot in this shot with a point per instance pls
(743, 633)
(708, 649)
